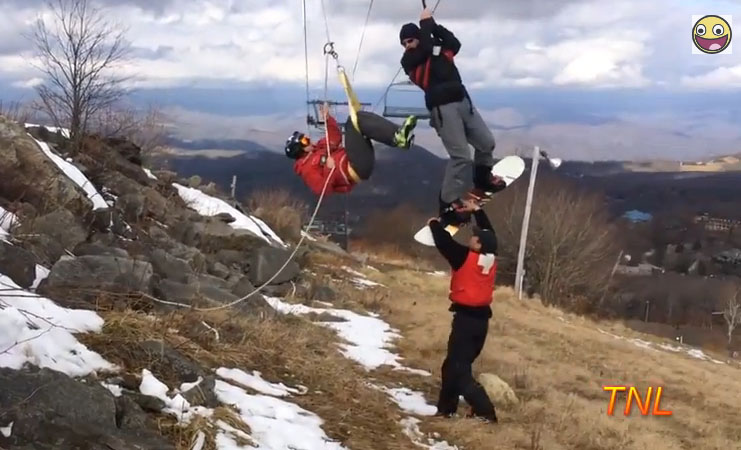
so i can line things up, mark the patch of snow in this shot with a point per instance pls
(438, 273)
(352, 271)
(114, 388)
(8, 220)
(367, 337)
(276, 424)
(7, 431)
(199, 441)
(41, 274)
(64, 131)
(149, 173)
(256, 382)
(35, 330)
(411, 429)
(410, 401)
(308, 236)
(643, 344)
(177, 406)
(74, 174)
(699, 354)
(207, 205)
(226, 442)
(364, 282)
(671, 348)
(185, 387)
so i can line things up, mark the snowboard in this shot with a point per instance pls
(508, 168)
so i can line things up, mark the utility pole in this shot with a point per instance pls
(555, 163)
(526, 222)
(234, 186)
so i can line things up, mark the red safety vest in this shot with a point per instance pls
(473, 283)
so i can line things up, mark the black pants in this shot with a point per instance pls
(359, 148)
(467, 337)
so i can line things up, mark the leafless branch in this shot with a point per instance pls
(78, 53)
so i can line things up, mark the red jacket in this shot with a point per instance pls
(473, 283)
(312, 167)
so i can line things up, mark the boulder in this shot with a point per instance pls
(498, 390)
(29, 174)
(170, 267)
(265, 263)
(91, 273)
(17, 263)
(50, 410)
(51, 235)
(99, 249)
(203, 393)
(165, 360)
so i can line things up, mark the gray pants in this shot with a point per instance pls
(459, 128)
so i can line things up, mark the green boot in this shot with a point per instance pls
(404, 137)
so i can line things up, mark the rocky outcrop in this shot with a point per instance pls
(49, 410)
(28, 175)
(18, 264)
(267, 261)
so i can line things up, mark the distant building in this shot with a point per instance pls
(717, 223)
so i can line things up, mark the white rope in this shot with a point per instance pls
(306, 63)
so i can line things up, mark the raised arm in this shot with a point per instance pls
(447, 39)
(451, 250)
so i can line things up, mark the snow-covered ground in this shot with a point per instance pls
(368, 338)
(37, 331)
(74, 174)
(693, 352)
(63, 131)
(207, 205)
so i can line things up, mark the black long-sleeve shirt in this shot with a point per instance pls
(456, 255)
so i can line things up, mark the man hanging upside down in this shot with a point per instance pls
(355, 161)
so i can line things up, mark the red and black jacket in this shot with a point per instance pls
(436, 74)
(465, 266)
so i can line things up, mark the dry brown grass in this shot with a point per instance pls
(286, 349)
(281, 210)
(557, 364)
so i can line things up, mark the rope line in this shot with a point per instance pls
(306, 63)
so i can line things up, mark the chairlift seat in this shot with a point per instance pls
(403, 112)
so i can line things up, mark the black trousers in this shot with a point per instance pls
(359, 146)
(467, 337)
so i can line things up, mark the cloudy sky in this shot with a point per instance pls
(588, 79)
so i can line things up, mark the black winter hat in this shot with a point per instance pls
(409, 30)
(487, 238)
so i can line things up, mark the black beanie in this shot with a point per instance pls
(488, 240)
(409, 30)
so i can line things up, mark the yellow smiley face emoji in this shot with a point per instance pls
(711, 34)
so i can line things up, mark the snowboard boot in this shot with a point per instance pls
(403, 138)
(484, 180)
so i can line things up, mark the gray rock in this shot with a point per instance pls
(147, 402)
(323, 293)
(90, 272)
(232, 258)
(53, 234)
(170, 267)
(203, 394)
(219, 270)
(17, 263)
(165, 359)
(99, 249)
(50, 410)
(132, 206)
(266, 261)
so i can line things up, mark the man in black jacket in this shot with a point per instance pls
(428, 60)
(471, 288)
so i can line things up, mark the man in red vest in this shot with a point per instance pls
(474, 269)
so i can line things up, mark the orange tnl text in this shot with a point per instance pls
(633, 396)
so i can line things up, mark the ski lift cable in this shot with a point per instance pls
(362, 36)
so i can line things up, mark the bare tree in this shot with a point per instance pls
(77, 53)
(732, 311)
(147, 129)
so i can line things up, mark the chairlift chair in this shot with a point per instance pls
(313, 120)
(407, 109)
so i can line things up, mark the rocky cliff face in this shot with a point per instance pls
(100, 232)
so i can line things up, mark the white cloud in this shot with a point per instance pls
(539, 43)
(727, 77)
